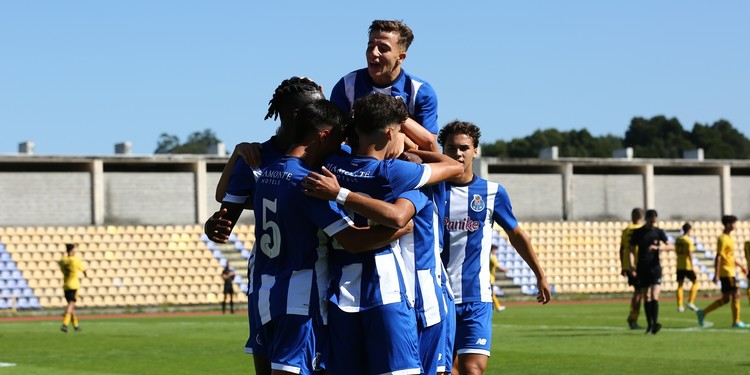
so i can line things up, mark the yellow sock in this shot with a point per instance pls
(75, 320)
(496, 302)
(718, 303)
(680, 296)
(736, 310)
(66, 319)
(693, 292)
(748, 294)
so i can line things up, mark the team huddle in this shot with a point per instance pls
(372, 249)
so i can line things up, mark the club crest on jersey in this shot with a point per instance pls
(477, 204)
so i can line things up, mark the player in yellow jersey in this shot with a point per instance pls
(747, 259)
(71, 266)
(494, 267)
(725, 271)
(636, 221)
(684, 248)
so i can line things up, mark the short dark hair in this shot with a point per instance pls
(314, 116)
(686, 227)
(405, 35)
(291, 94)
(636, 214)
(375, 112)
(459, 127)
(70, 247)
(728, 219)
(651, 213)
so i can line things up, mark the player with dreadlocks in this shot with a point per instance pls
(235, 189)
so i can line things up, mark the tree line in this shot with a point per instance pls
(657, 137)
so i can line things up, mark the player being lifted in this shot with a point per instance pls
(473, 206)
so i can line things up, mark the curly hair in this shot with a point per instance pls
(459, 127)
(405, 35)
(293, 93)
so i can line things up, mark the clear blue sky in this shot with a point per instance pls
(76, 77)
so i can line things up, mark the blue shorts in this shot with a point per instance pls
(449, 331)
(290, 343)
(431, 346)
(473, 328)
(253, 346)
(381, 340)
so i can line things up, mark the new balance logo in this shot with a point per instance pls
(481, 342)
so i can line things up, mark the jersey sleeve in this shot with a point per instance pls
(503, 211)
(426, 108)
(663, 236)
(326, 215)
(721, 247)
(416, 197)
(338, 96)
(404, 175)
(241, 183)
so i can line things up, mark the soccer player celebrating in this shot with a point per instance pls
(71, 266)
(648, 268)
(724, 270)
(684, 248)
(370, 293)
(291, 259)
(636, 221)
(473, 206)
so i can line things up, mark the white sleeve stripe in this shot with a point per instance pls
(241, 199)
(425, 176)
(338, 226)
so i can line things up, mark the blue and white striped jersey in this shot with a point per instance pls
(242, 180)
(421, 252)
(364, 281)
(471, 211)
(417, 94)
(290, 252)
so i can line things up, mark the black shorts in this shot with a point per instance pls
(633, 281)
(71, 295)
(228, 288)
(728, 285)
(682, 274)
(648, 277)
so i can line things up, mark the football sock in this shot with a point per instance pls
(655, 311)
(693, 292)
(715, 305)
(647, 308)
(736, 310)
(74, 317)
(223, 307)
(231, 306)
(680, 296)
(66, 319)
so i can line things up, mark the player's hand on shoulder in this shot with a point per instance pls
(323, 185)
(250, 153)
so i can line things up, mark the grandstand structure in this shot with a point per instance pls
(138, 222)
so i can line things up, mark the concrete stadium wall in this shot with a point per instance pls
(149, 198)
(45, 198)
(159, 189)
(688, 197)
(741, 197)
(533, 196)
(605, 197)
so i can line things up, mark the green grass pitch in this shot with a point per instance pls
(560, 338)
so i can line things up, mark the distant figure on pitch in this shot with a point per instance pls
(684, 248)
(725, 271)
(636, 221)
(747, 259)
(648, 269)
(228, 275)
(71, 265)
